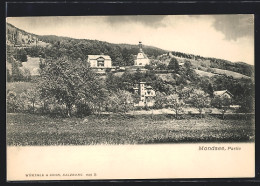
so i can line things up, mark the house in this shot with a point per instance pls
(229, 95)
(223, 93)
(146, 93)
(141, 58)
(100, 63)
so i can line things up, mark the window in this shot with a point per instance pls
(100, 62)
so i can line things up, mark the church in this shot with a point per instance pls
(141, 58)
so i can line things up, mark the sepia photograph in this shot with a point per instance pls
(87, 94)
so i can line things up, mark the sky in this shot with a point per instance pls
(229, 37)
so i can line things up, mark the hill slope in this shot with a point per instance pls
(121, 54)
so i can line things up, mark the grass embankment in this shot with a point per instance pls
(27, 129)
(19, 87)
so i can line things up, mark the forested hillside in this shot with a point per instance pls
(168, 72)
(56, 46)
(121, 54)
(239, 67)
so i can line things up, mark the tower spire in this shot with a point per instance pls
(140, 46)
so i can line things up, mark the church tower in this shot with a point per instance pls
(140, 47)
(141, 58)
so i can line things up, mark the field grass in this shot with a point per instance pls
(221, 72)
(32, 64)
(19, 87)
(28, 129)
(230, 73)
(166, 77)
(203, 73)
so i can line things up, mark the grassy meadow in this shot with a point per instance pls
(29, 129)
(19, 87)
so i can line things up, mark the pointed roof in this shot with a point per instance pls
(149, 87)
(141, 55)
(221, 92)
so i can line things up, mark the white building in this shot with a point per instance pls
(100, 62)
(141, 58)
(146, 94)
(223, 93)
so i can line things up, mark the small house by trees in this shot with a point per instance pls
(222, 102)
(223, 93)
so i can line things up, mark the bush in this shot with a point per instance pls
(13, 104)
(21, 55)
(57, 111)
(83, 110)
(148, 67)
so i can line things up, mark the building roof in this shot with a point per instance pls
(141, 55)
(221, 92)
(93, 57)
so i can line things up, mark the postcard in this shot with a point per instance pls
(130, 97)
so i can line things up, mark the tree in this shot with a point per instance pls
(68, 81)
(174, 65)
(12, 102)
(200, 100)
(100, 98)
(16, 72)
(32, 95)
(187, 64)
(138, 75)
(46, 103)
(8, 75)
(160, 100)
(222, 102)
(175, 103)
(26, 74)
(121, 101)
(148, 67)
(21, 55)
(136, 98)
(189, 72)
(41, 64)
(161, 66)
(181, 80)
(210, 90)
(113, 83)
(127, 57)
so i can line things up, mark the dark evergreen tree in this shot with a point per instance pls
(174, 65)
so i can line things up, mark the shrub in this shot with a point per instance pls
(83, 110)
(148, 67)
(12, 102)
